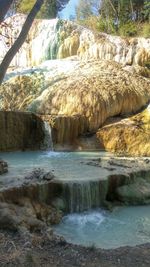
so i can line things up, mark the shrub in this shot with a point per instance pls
(90, 22)
(104, 25)
(146, 30)
(129, 29)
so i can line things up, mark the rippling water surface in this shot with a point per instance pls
(125, 226)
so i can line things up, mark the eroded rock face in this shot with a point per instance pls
(20, 131)
(66, 129)
(28, 204)
(127, 136)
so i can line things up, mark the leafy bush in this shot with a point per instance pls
(128, 29)
(105, 25)
(90, 22)
(146, 30)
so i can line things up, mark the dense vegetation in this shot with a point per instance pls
(48, 10)
(124, 17)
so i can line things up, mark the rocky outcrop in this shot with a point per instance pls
(3, 167)
(61, 39)
(127, 136)
(20, 131)
(28, 205)
(97, 90)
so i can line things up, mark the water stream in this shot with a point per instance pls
(83, 190)
(48, 142)
(125, 226)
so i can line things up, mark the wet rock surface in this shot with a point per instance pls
(129, 179)
(3, 167)
(20, 131)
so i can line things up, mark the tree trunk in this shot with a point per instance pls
(4, 7)
(20, 40)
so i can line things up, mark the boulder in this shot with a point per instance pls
(137, 193)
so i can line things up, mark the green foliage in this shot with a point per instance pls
(106, 25)
(48, 10)
(146, 30)
(146, 10)
(85, 9)
(90, 22)
(128, 29)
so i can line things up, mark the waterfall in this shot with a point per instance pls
(41, 44)
(84, 195)
(48, 142)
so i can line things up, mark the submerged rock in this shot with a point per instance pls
(3, 167)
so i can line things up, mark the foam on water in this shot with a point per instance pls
(125, 226)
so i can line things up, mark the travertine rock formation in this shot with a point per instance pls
(20, 131)
(127, 51)
(51, 39)
(79, 96)
(97, 90)
(20, 91)
(127, 136)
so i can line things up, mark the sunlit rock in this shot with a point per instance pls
(127, 136)
(96, 90)
(51, 39)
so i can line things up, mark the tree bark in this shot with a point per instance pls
(20, 40)
(4, 7)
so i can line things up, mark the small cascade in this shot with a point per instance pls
(84, 195)
(48, 142)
